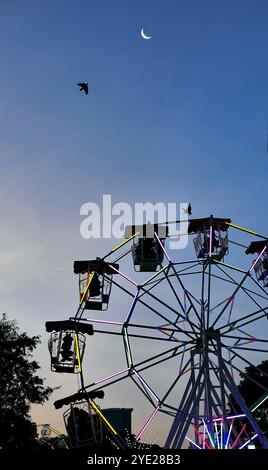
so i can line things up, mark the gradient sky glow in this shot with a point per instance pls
(182, 117)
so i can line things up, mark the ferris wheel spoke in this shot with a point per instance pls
(235, 324)
(239, 286)
(171, 308)
(245, 289)
(242, 338)
(183, 371)
(173, 353)
(167, 320)
(184, 317)
(249, 295)
(259, 285)
(248, 376)
(250, 349)
(145, 385)
(187, 295)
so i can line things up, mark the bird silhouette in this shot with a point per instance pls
(188, 210)
(84, 87)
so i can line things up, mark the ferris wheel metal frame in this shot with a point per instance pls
(205, 344)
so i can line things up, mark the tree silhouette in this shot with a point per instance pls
(19, 386)
(254, 388)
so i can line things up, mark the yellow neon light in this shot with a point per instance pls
(54, 430)
(125, 241)
(59, 434)
(242, 228)
(77, 352)
(89, 281)
(103, 417)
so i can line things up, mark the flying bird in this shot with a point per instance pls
(188, 210)
(84, 87)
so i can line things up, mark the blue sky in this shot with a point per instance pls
(182, 117)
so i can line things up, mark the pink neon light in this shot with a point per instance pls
(147, 423)
(196, 430)
(257, 259)
(126, 277)
(238, 436)
(145, 385)
(229, 417)
(162, 246)
(108, 322)
(111, 376)
(236, 416)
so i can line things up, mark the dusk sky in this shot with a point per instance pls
(182, 117)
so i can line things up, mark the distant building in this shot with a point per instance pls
(120, 419)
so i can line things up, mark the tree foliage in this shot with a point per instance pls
(254, 388)
(20, 386)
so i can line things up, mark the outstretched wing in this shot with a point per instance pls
(81, 84)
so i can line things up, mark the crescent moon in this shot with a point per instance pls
(144, 36)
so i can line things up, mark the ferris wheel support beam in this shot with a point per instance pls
(241, 402)
(225, 398)
(243, 288)
(244, 373)
(181, 425)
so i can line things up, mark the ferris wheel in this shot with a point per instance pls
(197, 321)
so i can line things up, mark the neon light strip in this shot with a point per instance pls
(129, 357)
(238, 436)
(147, 424)
(125, 241)
(126, 277)
(103, 417)
(230, 266)
(58, 434)
(241, 228)
(54, 430)
(190, 440)
(131, 307)
(162, 246)
(210, 438)
(156, 274)
(108, 322)
(257, 259)
(77, 352)
(196, 430)
(255, 435)
(230, 417)
(221, 303)
(261, 402)
(145, 385)
(221, 435)
(111, 376)
(210, 241)
(217, 437)
(229, 434)
(88, 283)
